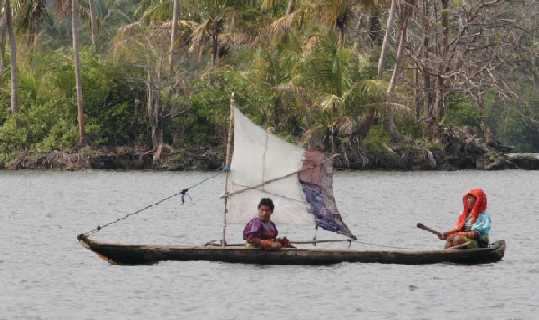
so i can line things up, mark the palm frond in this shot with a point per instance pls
(310, 44)
(285, 23)
(331, 103)
(270, 4)
(200, 36)
(389, 107)
(157, 12)
(29, 15)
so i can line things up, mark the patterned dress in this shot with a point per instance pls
(482, 226)
(259, 229)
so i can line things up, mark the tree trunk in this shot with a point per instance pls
(342, 34)
(156, 119)
(13, 47)
(418, 96)
(3, 35)
(480, 101)
(398, 58)
(390, 118)
(368, 121)
(215, 48)
(443, 53)
(445, 26)
(440, 87)
(75, 21)
(428, 86)
(175, 15)
(434, 112)
(153, 87)
(365, 125)
(93, 22)
(375, 29)
(290, 7)
(385, 43)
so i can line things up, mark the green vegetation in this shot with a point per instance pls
(299, 67)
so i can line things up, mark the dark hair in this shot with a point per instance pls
(266, 202)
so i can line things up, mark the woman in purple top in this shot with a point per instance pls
(261, 232)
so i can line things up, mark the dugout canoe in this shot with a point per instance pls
(150, 254)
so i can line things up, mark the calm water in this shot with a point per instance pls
(46, 274)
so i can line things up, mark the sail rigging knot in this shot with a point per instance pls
(184, 193)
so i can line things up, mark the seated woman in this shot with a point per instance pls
(261, 232)
(473, 225)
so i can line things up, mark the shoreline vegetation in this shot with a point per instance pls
(390, 85)
(456, 154)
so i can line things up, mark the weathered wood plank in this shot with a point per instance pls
(148, 254)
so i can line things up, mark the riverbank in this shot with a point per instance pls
(456, 150)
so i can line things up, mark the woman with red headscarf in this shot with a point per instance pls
(473, 225)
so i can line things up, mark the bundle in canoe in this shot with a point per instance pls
(149, 254)
(300, 183)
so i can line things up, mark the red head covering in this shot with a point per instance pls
(479, 206)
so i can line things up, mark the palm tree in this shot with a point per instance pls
(335, 15)
(75, 21)
(220, 26)
(404, 8)
(385, 42)
(175, 16)
(208, 32)
(13, 47)
(93, 22)
(2, 37)
(29, 15)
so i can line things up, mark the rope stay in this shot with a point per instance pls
(183, 193)
(315, 242)
(379, 245)
(266, 182)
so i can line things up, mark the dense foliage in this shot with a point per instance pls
(303, 68)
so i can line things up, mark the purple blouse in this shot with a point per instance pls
(258, 229)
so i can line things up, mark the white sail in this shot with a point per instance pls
(258, 158)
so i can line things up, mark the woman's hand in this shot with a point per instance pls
(270, 245)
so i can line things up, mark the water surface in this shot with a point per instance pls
(46, 274)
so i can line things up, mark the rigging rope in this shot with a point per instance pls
(263, 183)
(350, 241)
(314, 242)
(181, 193)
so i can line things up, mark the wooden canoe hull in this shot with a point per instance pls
(148, 254)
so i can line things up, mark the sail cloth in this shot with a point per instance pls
(316, 179)
(258, 157)
(299, 182)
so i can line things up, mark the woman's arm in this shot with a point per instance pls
(445, 235)
(269, 244)
(253, 239)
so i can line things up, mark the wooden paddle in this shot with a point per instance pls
(424, 227)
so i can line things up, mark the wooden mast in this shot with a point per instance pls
(227, 162)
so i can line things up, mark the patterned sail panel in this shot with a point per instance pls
(317, 182)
